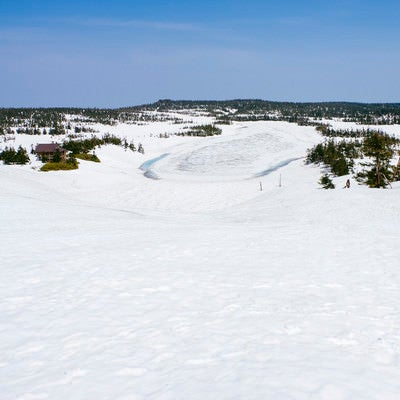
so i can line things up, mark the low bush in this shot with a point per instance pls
(60, 166)
(87, 157)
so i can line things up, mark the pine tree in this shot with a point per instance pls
(10, 156)
(21, 157)
(380, 147)
(132, 146)
(57, 156)
(326, 182)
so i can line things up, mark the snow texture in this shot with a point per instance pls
(198, 284)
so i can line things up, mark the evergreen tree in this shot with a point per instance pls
(21, 156)
(380, 148)
(326, 182)
(132, 146)
(57, 156)
(10, 156)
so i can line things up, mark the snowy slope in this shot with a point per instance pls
(117, 286)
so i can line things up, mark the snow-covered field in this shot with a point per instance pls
(197, 284)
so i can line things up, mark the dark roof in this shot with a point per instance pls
(49, 148)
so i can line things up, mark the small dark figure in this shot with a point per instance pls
(347, 186)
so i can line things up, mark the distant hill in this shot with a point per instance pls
(222, 110)
(388, 113)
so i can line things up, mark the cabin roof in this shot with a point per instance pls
(49, 148)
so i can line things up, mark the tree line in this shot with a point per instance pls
(225, 111)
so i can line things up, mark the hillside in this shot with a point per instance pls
(171, 275)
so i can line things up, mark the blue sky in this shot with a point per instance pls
(120, 53)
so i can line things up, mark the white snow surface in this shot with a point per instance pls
(197, 284)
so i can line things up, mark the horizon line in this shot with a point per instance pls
(203, 101)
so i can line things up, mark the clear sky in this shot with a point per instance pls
(125, 52)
